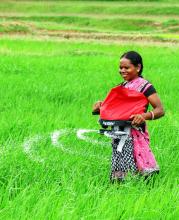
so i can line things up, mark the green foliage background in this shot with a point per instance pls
(49, 83)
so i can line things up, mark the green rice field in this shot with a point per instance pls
(57, 58)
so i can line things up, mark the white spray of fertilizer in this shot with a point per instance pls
(81, 134)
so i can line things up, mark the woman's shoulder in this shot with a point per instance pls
(141, 85)
(147, 88)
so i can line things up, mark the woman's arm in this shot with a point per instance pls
(158, 111)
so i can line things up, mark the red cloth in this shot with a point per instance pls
(121, 103)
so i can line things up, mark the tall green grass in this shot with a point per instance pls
(48, 85)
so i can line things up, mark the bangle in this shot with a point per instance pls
(152, 115)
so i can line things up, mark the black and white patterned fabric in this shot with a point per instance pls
(122, 161)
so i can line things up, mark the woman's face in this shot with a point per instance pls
(127, 70)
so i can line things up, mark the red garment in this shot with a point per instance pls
(121, 103)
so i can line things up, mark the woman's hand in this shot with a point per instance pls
(96, 106)
(137, 119)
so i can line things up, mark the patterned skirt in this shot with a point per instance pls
(134, 158)
(122, 162)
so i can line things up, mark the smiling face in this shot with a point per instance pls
(127, 70)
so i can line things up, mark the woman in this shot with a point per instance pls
(136, 155)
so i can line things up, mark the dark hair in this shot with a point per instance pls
(135, 59)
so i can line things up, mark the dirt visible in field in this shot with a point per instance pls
(90, 15)
(75, 35)
(30, 28)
